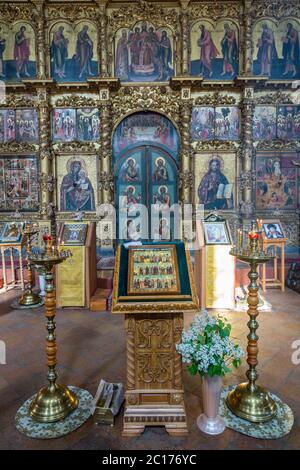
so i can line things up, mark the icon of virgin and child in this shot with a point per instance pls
(144, 53)
(76, 192)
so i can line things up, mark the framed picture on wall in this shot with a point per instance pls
(153, 270)
(74, 234)
(272, 229)
(12, 232)
(216, 233)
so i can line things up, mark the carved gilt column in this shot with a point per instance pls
(106, 175)
(102, 39)
(247, 145)
(41, 45)
(247, 46)
(185, 43)
(185, 174)
(46, 172)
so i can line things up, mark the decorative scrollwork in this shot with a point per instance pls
(106, 181)
(154, 372)
(17, 147)
(216, 145)
(144, 98)
(11, 13)
(186, 179)
(275, 98)
(276, 9)
(128, 15)
(215, 99)
(15, 101)
(72, 12)
(247, 180)
(278, 145)
(76, 101)
(46, 182)
(71, 147)
(215, 10)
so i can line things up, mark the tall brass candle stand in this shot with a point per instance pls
(56, 401)
(29, 299)
(248, 400)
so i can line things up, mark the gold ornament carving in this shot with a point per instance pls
(130, 351)
(10, 13)
(276, 9)
(278, 145)
(128, 15)
(71, 12)
(106, 180)
(17, 147)
(146, 98)
(132, 399)
(217, 145)
(215, 99)
(47, 182)
(215, 10)
(76, 101)
(15, 101)
(186, 179)
(74, 147)
(176, 398)
(275, 98)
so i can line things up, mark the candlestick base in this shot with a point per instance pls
(30, 299)
(53, 403)
(254, 404)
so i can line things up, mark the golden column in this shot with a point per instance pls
(106, 174)
(46, 176)
(185, 43)
(247, 38)
(41, 45)
(185, 173)
(102, 43)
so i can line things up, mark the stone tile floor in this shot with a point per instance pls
(91, 346)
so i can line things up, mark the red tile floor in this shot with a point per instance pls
(91, 346)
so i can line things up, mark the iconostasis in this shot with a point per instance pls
(162, 104)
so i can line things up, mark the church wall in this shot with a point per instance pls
(230, 105)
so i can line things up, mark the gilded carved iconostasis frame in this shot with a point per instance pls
(175, 96)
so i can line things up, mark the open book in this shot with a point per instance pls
(224, 191)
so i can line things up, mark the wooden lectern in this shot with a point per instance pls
(153, 290)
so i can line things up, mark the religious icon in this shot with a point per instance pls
(227, 123)
(26, 125)
(132, 231)
(59, 52)
(73, 52)
(276, 185)
(288, 122)
(203, 123)
(74, 234)
(162, 198)
(215, 233)
(7, 125)
(130, 170)
(273, 230)
(214, 50)
(153, 270)
(64, 124)
(290, 50)
(208, 50)
(130, 198)
(22, 53)
(163, 230)
(145, 127)
(19, 183)
(215, 189)
(12, 232)
(88, 124)
(276, 49)
(161, 173)
(76, 190)
(264, 123)
(143, 54)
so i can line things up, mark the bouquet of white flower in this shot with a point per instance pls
(206, 346)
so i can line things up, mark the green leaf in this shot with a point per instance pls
(193, 369)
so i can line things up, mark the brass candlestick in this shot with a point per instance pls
(30, 299)
(56, 401)
(248, 400)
